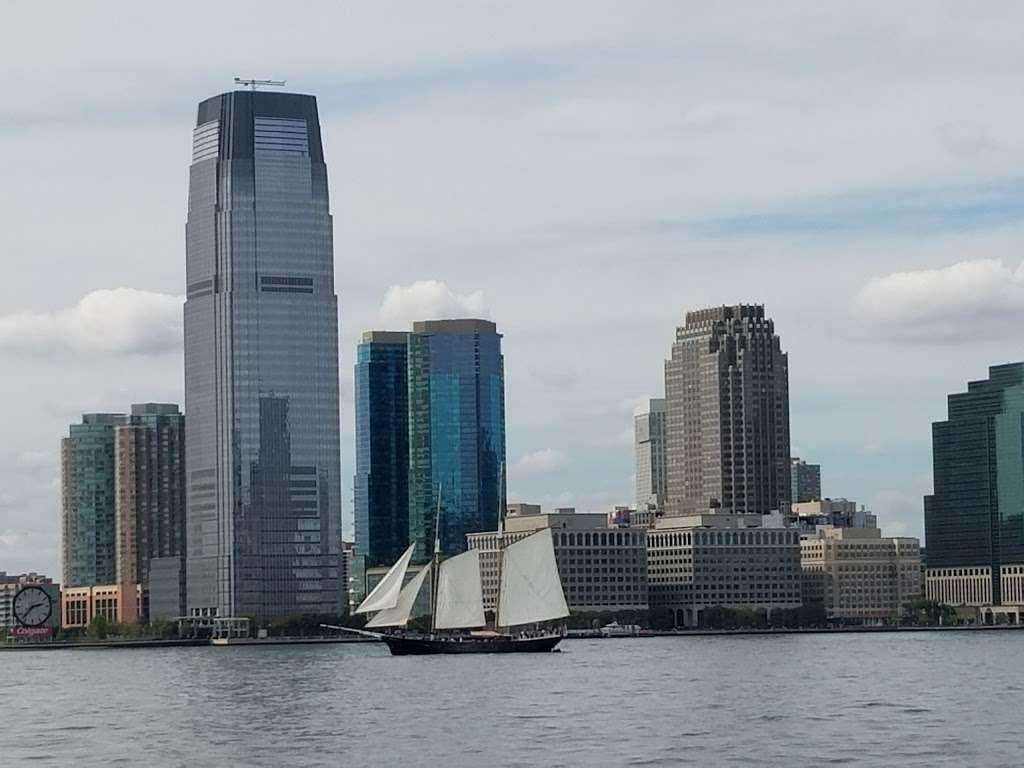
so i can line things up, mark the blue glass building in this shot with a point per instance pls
(456, 430)
(262, 437)
(975, 518)
(381, 486)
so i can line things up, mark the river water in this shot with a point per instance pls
(924, 699)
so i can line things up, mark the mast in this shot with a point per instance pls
(435, 560)
(501, 540)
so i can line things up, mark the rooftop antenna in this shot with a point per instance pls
(254, 84)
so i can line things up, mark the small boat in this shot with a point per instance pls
(619, 630)
(530, 592)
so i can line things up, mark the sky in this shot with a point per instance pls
(582, 173)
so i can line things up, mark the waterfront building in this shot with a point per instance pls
(649, 447)
(149, 470)
(727, 414)
(381, 486)
(456, 431)
(805, 481)
(261, 362)
(88, 494)
(974, 520)
(10, 585)
(602, 569)
(808, 516)
(858, 575)
(699, 562)
(118, 603)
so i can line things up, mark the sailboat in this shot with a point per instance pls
(530, 593)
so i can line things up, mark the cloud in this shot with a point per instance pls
(117, 321)
(625, 437)
(544, 460)
(428, 300)
(950, 304)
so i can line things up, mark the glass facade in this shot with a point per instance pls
(261, 362)
(456, 431)
(88, 501)
(381, 486)
(975, 517)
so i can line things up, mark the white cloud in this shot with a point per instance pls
(544, 460)
(954, 303)
(428, 300)
(625, 437)
(114, 321)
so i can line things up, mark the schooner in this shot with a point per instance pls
(530, 592)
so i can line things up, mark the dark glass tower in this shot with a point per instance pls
(382, 447)
(456, 430)
(727, 429)
(261, 362)
(975, 517)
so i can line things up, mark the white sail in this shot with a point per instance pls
(460, 601)
(385, 594)
(398, 616)
(531, 590)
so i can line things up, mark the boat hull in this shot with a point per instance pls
(400, 645)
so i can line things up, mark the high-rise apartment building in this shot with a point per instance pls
(88, 495)
(382, 447)
(649, 437)
(805, 481)
(261, 362)
(974, 520)
(150, 501)
(727, 403)
(456, 431)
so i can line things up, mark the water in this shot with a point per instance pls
(929, 699)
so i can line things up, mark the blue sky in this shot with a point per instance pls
(583, 173)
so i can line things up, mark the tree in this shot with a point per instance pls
(98, 628)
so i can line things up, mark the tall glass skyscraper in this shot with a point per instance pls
(974, 521)
(456, 430)
(382, 447)
(261, 362)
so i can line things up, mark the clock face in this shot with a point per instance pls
(32, 606)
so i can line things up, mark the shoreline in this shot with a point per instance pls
(583, 635)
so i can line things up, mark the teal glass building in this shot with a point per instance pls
(381, 484)
(975, 517)
(88, 495)
(456, 431)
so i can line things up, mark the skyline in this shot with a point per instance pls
(811, 190)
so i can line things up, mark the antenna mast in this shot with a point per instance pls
(254, 84)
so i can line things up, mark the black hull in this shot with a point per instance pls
(424, 646)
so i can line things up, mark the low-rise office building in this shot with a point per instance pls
(809, 516)
(858, 575)
(697, 562)
(120, 603)
(602, 569)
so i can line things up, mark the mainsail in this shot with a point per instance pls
(398, 616)
(460, 602)
(531, 590)
(385, 594)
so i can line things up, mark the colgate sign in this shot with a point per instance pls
(27, 632)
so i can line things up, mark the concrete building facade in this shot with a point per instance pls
(649, 448)
(697, 562)
(805, 481)
(808, 516)
(727, 410)
(858, 575)
(602, 569)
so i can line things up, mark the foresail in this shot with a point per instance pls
(398, 616)
(385, 594)
(460, 602)
(531, 590)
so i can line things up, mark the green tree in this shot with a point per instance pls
(98, 628)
